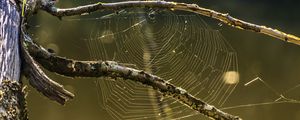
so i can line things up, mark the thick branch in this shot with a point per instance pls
(225, 18)
(74, 68)
(41, 82)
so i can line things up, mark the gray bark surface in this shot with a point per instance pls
(12, 103)
(9, 38)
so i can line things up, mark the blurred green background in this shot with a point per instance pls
(275, 61)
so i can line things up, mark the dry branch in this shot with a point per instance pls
(74, 68)
(41, 82)
(225, 18)
(49, 88)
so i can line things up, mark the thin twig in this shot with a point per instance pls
(225, 18)
(74, 68)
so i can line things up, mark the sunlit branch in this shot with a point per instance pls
(74, 68)
(225, 18)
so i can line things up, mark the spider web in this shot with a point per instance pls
(180, 48)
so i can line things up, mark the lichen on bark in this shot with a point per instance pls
(12, 101)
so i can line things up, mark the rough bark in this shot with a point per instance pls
(12, 103)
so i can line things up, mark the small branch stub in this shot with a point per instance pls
(39, 80)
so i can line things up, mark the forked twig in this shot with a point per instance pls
(225, 18)
(41, 82)
(74, 68)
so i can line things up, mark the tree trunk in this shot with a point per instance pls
(12, 103)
